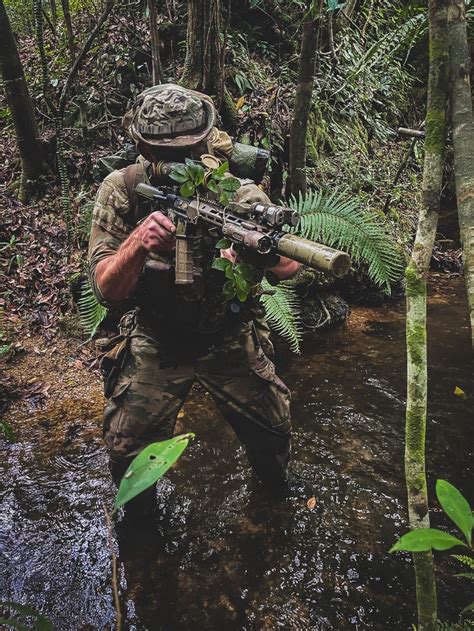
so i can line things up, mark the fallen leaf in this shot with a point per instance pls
(459, 392)
(181, 413)
(240, 102)
(311, 503)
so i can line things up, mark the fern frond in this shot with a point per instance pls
(283, 313)
(333, 219)
(465, 560)
(91, 312)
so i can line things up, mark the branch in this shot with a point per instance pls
(82, 54)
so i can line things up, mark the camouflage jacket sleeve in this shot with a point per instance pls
(109, 228)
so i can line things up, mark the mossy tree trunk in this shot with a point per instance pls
(416, 274)
(204, 63)
(203, 66)
(463, 139)
(21, 106)
(302, 105)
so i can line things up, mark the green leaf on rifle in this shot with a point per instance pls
(456, 507)
(230, 184)
(219, 172)
(224, 244)
(424, 539)
(212, 186)
(179, 174)
(149, 466)
(246, 271)
(243, 285)
(229, 290)
(221, 264)
(187, 189)
(242, 294)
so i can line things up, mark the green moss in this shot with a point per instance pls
(435, 131)
(415, 284)
(416, 343)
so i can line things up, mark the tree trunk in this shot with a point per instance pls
(54, 12)
(416, 274)
(156, 67)
(70, 33)
(204, 63)
(21, 106)
(463, 139)
(304, 91)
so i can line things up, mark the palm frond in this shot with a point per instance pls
(91, 312)
(338, 221)
(465, 560)
(283, 313)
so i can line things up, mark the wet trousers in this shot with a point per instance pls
(155, 378)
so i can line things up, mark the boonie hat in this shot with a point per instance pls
(169, 115)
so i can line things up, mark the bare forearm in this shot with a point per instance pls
(286, 268)
(117, 275)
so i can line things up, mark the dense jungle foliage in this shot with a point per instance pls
(350, 101)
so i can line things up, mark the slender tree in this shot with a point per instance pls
(416, 274)
(156, 67)
(71, 44)
(463, 139)
(21, 106)
(302, 106)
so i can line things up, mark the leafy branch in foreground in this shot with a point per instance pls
(91, 312)
(337, 221)
(458, 510)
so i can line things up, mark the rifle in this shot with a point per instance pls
(256, 226)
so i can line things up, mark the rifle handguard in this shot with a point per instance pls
(315, 255)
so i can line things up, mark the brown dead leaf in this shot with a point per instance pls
(311, 503)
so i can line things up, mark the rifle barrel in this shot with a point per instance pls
(316, 255)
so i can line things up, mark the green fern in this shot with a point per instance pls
(337, 221)
(91, 312)
(468, 562)
(282, 309)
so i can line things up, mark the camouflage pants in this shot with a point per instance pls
(156, 379)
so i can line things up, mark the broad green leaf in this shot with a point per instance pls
(424, 539)
(148, 467)
(230, 184)
(212, 186)
(229, 290)
(456, 507)
(229, 273)
(246, 271)
(219, 172)
(40, 622)
(224, 244)
(224, 198)
(242, 295)
(179, 176)
(242, 284)
(189, 162)
(221, 264)
(187, 189)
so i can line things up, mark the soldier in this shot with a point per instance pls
(176, 335)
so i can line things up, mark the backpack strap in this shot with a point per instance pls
(133, 175)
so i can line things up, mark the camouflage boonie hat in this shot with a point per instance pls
(170, 116)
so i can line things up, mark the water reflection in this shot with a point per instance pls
(221, 554)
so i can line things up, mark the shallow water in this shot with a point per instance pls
(220, 554)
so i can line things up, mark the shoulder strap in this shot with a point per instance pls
(133, 175)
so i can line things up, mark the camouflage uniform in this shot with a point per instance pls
(176, 336)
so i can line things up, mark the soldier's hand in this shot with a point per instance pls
(157, 233)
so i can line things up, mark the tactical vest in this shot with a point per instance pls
(187, 312)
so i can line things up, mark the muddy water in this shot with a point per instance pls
(220, 554)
